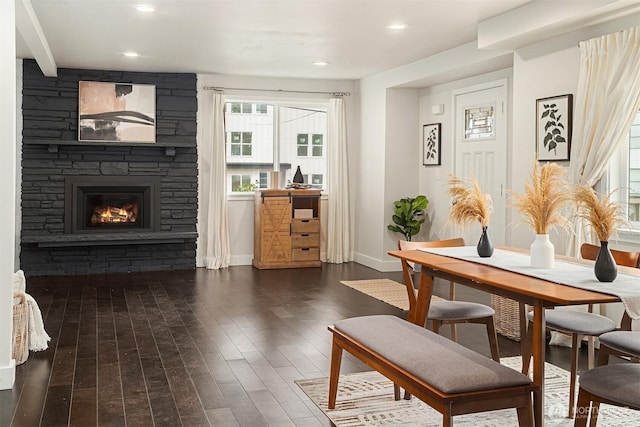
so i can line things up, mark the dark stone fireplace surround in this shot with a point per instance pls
(52, 155)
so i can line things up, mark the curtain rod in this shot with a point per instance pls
(222, 89)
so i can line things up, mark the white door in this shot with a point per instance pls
(481, 150)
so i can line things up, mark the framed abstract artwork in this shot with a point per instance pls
(431, 144)
(119, 112)
(553, 127)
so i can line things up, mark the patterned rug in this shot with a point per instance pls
(385, 290)
(366, 399)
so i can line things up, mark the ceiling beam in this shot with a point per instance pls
(28, 26)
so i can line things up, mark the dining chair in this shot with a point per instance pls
(610, 384)
(448, 312)
(579, 324)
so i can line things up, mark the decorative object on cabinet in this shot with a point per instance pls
(287, 229)
(120, 112)
(553, 127)
(431, 143)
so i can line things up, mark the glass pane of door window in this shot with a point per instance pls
(478, 122)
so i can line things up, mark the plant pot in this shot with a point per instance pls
(485, 246)
(605, 267)
(542, 252)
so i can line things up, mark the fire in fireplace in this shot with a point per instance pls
(106, 204)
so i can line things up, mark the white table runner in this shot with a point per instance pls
(625, 287)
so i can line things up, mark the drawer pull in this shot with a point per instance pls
(304, 220)
(305, 234)
(304, 249)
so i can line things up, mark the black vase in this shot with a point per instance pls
(605, 267)
(485, 247)
(297, 178)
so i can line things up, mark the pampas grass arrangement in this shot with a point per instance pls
(601, 213)
(469, 203)
(545, 194)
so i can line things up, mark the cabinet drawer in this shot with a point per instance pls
(305, 225)
(305, 240)
(305, 254)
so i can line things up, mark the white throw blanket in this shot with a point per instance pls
(38, 337)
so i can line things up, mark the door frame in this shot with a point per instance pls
(493, 84)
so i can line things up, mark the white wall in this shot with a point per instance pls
(8, 189)
(544, 69)
(433, 179)
(240, 208)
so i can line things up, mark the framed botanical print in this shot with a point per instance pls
(431, 144)
(553, 127)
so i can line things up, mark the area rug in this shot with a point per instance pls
(385, 290)
(366, 399)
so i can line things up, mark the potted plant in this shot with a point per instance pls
(469, 205)
(604, 217)
(545, 195)
(408, 216)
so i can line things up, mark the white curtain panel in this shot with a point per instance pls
(339, 221)
(607, 100)
(214, 250)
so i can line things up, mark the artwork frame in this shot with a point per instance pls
(116, 112)
(431, 144)
(554, 119)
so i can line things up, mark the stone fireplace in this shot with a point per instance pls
(106, 207)
(104, 204)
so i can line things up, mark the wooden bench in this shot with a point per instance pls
(445, 375)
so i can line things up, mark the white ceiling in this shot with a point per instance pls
(279, 38)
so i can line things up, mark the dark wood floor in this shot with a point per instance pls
(195, 347)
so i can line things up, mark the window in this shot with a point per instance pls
(624, 176)
(240, 143)
(316, 181)
(241, 183)
(263, 137)
(317, 145)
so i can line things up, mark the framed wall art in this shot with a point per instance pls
(431, 144)
(119, 112)
(553, 127)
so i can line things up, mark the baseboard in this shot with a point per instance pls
(241, 260)
(8, 375)
(377, 264)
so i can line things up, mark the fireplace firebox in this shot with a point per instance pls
(99, 204)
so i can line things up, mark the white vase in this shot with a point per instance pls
(542, 252)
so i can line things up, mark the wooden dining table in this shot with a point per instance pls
(538, 293)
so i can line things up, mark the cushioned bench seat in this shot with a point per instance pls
(447, 376)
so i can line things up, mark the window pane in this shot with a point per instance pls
(316, 179)
(235, 182)
(263, 180)
(301, 128)
(261, 108)
(235, 137)
(235, 149)
(235, 107)
(246, 150)
(246, 137)
(478, 122)
(246, 108)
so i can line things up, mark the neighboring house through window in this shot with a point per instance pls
(271, 136)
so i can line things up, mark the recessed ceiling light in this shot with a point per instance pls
(396, 27)
(131, 54)
(320, 63)
(145, 8)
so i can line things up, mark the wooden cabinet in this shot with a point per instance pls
(287, 229)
